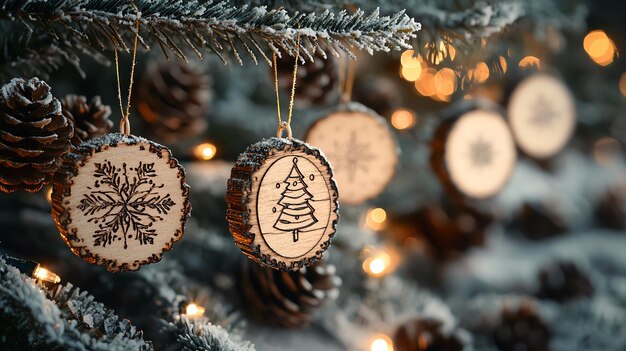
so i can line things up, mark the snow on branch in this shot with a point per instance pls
(213, 26)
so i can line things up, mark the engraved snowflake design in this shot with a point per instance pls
(125, 202)
(481, 153)
(351, 156)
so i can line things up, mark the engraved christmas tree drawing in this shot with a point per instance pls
(297, 212)
(125, 202)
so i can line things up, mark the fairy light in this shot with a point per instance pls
(480, 73)
(503, 64)
(426, 84)
(381, 342)
(402, 119)
(43, 274)
(377, 263)
(205, 151)
(48, 195)
(193, 310)
(622, 84)
(600, 47)
(376, 218)
(530, 61)
(411, 69)
(445, 83)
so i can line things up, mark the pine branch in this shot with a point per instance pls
(214, 26)
(194, 334)
(65, 319)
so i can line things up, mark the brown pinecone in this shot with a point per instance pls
(34, 135)
(428, 335)
(287, 299)
(173, 98)
(611, 209)
(89, 119)
(562, 281)
(316, 81)
(447, 230)
(379, 93)
(538, 221)
(521, 329)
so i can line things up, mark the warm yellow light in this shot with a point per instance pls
(378, 215)
(607, 151)
(600, 47)
(445, 82)
(503, 64)
(41, 273)
(381, 343)
(409, 60)
(622, 84)
(377, 264)
(193, 310)
(411, 73)
(530, 61)
(205, 151)
(481, 72)
(402, 119)
(49, 195)
(444, 51)
(426, 84)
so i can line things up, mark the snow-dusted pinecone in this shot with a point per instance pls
(521, 329)
(538, 221)
(316, 81)
(611, 209)
(34, 135)
(287, 299)
(428, 335)
(90, 120)
(562, 281)
(378, 93)
(173, 98)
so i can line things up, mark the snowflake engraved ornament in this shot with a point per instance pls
(362, 149)
(282, 199)
(120, 200)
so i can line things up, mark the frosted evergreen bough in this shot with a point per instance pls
(206, 26)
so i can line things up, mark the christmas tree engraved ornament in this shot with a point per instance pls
(542, 115)
(120, 200)
(282, 199)
(473, 152)
(362, 149)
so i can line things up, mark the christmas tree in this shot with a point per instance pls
(538, 265)
(297, 212)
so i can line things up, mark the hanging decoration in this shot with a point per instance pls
(282, 198)
(473, 152)
(359, 144)
(120, 200)
(542, 115)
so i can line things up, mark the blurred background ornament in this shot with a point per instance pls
(537, 220)
(562, 281)
(423, 334)
(521, 328)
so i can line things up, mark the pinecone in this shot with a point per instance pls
(378, 93)
(173, 98)
(89, 119)
(611, 209)
(447, 230)
(428, 335)
(562, 281)
(316, 80)
(287, 299)
(34, 135)
(537, 221)
(521, 329)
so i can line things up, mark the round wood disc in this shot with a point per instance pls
(478, 154)
(542, 115)
(361, 149)
(282, 203)
(120, 201)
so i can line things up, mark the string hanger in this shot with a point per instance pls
(286, 125)
(346, 80)
(125, 122)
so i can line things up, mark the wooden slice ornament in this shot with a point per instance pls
(282, 203)
(473, 152)
(120, 201)
(362, 149)
(542, 115)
